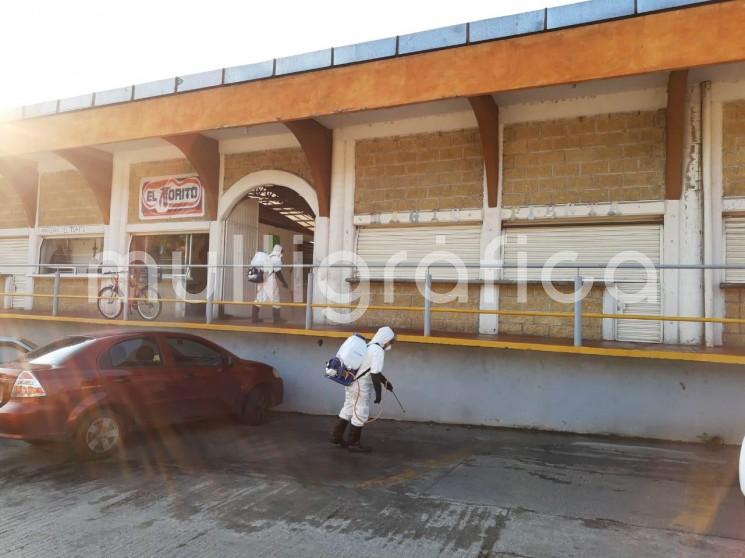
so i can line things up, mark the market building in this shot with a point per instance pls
(600, 128)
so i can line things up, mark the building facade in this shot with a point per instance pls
(643, 156)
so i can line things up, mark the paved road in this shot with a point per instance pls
(219, 489)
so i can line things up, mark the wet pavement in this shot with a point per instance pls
(221, 489)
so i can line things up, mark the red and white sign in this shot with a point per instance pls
(171, 198)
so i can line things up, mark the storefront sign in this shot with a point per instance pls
(171, 198)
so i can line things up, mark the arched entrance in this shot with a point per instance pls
(257, 212)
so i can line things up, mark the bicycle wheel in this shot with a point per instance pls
(110, 302)
(148, 303)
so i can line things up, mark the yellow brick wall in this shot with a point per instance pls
(68, 286)
(733, 148)
(12, 213)
(407, 294)
(66, 199)
(152, 169)
(442, 170)
(593, 159)
(539, 301)
(734, 301)
(238, 165)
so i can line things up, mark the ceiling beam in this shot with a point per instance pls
(269, 216)
(204, 155)
(96, 167)
(316, 141)
(677, 88)
(23, 177)
(487, 116)
(697, 36)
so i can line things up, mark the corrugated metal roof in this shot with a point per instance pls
(540, 21)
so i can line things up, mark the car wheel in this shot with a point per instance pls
(255, 406)
(99, 434)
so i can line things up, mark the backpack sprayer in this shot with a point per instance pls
(345, 366)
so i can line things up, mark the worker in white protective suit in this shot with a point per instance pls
(357, 396)
(268, 290)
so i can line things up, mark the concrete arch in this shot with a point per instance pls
(238, 191)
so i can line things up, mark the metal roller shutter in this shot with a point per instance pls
(14, 252)
(643, 331)
(734, 242)
(375, 246)
(596, 245)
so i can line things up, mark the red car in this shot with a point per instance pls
(93, 389)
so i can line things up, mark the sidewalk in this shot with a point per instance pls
(281, 490)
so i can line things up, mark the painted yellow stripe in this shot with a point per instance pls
(526, 313)
(658, 354)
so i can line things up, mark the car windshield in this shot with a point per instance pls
(56, 352)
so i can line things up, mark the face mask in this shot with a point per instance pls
(387, 347)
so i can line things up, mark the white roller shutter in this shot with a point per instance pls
(411, 245)
(593, 245)
(597, 244)
(734, 242)
(14, 252)
(643, 331)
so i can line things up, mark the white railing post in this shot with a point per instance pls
(209, 310)
(578, 310)
(309, 302)
(428, 304)
(125, 289)
(55, 293)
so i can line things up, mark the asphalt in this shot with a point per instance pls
(221, 489)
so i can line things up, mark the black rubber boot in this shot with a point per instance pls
(255, 315)
(337, 434)
(354, 444)
(276, 318)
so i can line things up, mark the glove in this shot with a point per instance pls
(377, 383)
(388, 386)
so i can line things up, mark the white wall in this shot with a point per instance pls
(604, 395)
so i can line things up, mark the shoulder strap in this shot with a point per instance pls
(361, 375)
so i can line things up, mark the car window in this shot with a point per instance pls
(10, 352)
(58, 351)
(137, 352)
(189, 351)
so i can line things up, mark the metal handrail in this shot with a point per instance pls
(480, 266)
(428, 309)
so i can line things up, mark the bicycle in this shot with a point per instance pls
(111, 299)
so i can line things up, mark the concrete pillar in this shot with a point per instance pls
(115, 235)
(340, 233)
(691, 282)
(491, 253)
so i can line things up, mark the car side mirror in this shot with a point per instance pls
(229, 360)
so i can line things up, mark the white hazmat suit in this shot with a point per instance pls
(268, 290)
(358, 396)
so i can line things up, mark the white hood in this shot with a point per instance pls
(383, 336)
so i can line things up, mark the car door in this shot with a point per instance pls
(137, 380)
(200, 366)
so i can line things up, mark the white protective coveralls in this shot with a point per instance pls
(268, 290)
(358, 396)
